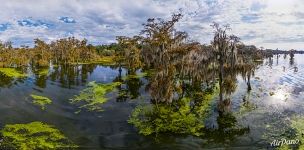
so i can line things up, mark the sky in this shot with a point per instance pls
(264, 23)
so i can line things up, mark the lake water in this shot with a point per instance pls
(256, 117)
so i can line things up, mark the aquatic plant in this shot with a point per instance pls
(34, 135)
(41, 101)
(12, 72)
(94, 95)
(179, 118)
(135, 76)
(154, 119)
(297, 123)
(43, 72)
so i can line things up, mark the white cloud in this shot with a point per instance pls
(268, 23)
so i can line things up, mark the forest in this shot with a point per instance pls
(160, 34)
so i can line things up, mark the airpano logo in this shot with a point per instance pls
(283, 141)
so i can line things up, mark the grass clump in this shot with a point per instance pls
(41, 101)
(11, 72)
(34, 135)
(94, 95)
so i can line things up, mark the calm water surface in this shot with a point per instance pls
(259, 116)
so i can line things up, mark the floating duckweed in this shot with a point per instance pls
(179, 117)
(152, 119)
(41, 101)
(298, 125)
(94, 95)
(35, 135)
(11, 72)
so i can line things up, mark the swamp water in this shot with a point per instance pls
(270, 111)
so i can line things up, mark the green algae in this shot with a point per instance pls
(11, 72)
(94, 95)
(296, 127)
(34, 135)
(41, 101)
(152, 119)
(178, 118)
(43, 72)
(135, 76)
(297, 123)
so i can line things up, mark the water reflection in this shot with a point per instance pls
(182, 98)
(15, 76)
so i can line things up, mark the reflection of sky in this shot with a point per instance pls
(277, 94)
(278, 85)
(268, 23)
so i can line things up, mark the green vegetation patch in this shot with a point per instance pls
(11, 72)
(43, 72)
(297, 123)
(162, 118)
(94, 95)
(135, 76)
(35, 135)
(41, 101)
(106, 60)
(180, 117)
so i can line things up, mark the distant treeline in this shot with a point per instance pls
(128, 50)
(72, 50)
(62, 51)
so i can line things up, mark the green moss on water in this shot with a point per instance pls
(94, 95)
(297, 123)
(163, 118)
(135, 76)
(35, 135)
(11, 72)
(43, 72)
(178, 118)
(106, 60)
(41, 101)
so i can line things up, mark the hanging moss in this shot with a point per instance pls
(41, 101)
(94, 95)
(35, 135)
(11, 72)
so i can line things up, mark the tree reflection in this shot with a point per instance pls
(71, 75)
(226, 131)
(13, 79)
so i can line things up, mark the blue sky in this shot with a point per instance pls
(267, 23)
